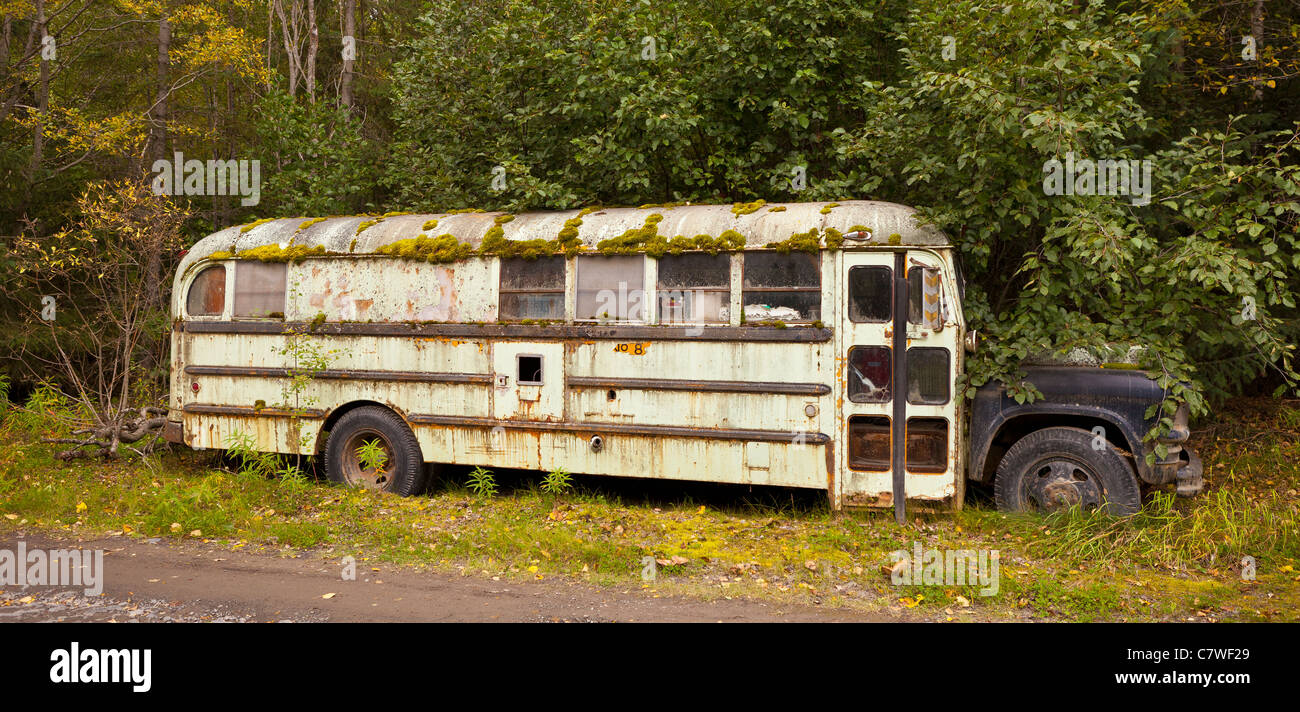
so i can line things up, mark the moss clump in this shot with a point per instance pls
(311, 222)
(274, 253)
(367, 224)
(746, 208)
(259, 404)
(394, 214)
(827, 210)
(437, 250)
(646, 239)
(316, 321)
(245, 228)
(810, 242)
(776, 209)
(665, 206)
(634, 240)
(352, 246)
(461, 211)
(221, 255)
(429, 225)
(895, 239)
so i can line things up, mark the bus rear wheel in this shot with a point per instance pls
(1058, 468)
(371, 447)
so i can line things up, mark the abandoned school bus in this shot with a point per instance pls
(812, 345)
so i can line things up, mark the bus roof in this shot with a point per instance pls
(889, 224)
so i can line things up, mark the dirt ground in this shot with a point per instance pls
(157, 580)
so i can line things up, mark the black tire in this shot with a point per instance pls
(403, 473)
(1056, 468)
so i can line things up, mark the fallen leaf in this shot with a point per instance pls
(965, 603)
(328, 595)
(81, 507)
(27, 599)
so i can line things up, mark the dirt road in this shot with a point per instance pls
(160, 580)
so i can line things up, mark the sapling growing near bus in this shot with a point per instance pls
(372, 455)
(557, 482)
(482, 483)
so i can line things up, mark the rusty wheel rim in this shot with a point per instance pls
(355, 472)
(1060, 483)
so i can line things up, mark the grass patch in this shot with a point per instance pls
(1176, 560)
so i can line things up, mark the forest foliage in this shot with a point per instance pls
(956, 107)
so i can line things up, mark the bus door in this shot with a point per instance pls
(882, 425)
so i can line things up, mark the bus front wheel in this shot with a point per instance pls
(372, 447)
(1060, 468)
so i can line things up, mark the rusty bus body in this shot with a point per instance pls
(751, 367)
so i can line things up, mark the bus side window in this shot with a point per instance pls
(781, 287)
(259, 289)
(611, 288)
(531, 289)
(694, 288)
(207, 295)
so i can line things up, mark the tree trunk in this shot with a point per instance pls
(42, 93)
(158, 141)
(313, 44)
(349, 31)
(1257, 29)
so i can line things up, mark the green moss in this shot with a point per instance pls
(311, 222)
(437, 250)
(776, 209)
(259, 404)
(221, 255)
(352, 246)
(895, 239)
(367, 224)
(394, 214)
(255, 223)
(429, 225)
(666, 206)
(809, 242)
(746, 208)
(274, 253)
(464, 210)
(827, 210)
(316, 321)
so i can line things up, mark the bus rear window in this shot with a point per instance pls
(870, 374)
(869, 443)
(207, 295)
(259, 289)
(532, 289)
(781, 287)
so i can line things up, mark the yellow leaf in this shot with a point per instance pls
(26, 599)
(532, 569)
(81, 506)
(328, 595)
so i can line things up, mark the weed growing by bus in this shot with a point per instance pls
(482, 483)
